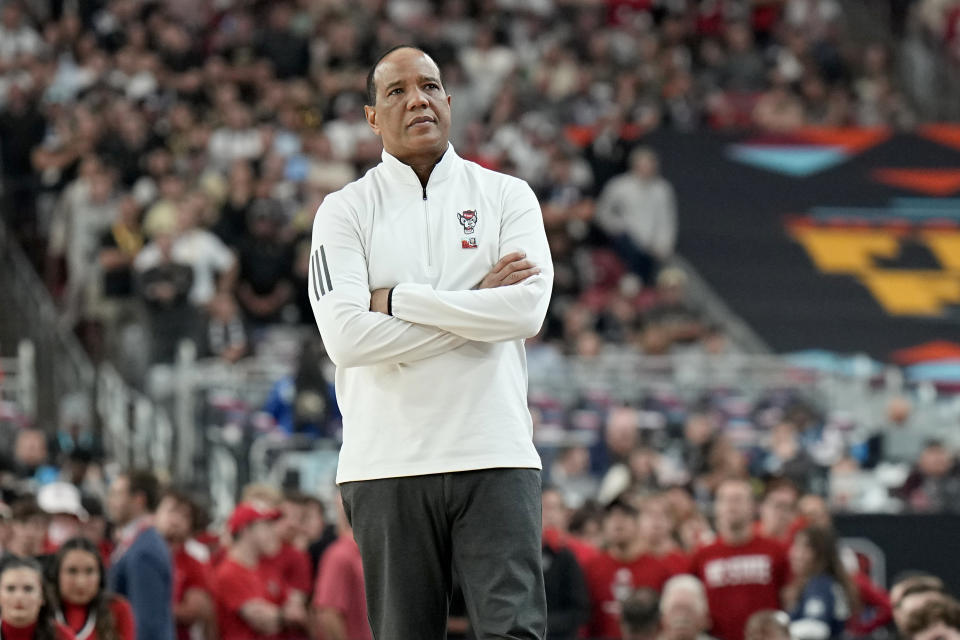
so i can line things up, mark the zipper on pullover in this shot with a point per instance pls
(426, 227)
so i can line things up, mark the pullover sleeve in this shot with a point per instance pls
(339, 293)
(499, 314)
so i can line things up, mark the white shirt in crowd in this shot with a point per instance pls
(644, 209)
(442, 385)
(204, 252)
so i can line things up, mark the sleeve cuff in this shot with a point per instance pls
(390, 301)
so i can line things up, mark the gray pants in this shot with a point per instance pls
(414, 532)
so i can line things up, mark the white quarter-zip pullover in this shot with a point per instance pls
(441, 386)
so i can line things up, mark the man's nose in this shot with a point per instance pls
(418, 98)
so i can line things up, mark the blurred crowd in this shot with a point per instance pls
(119, 554)
(163, 161)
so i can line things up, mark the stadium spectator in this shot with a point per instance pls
(165, 288)
(778, 512)
(556, 527)
(119, 246)
(934, 483)
(25, 613)
(192, 595)
(619, 569)
(141, 569)
(319, 531)
(28, 529)
(292, 561)
(568, 601)
(79, 596)
(249, 603)
(910, 593)
(266, 262)
(62, 503)
(224, 336)
(339, 598)
(937, 620)
(742, 573)
(31, 463)
(821, 596)
(640, 616)
(684, 612)
(768, 624)
(638, 211)
(570, 474)
(655, 531)
(214, 267)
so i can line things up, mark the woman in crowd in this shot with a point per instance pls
(79, 597)
(821, 596)
(24, 613)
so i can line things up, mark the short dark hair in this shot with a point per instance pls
(945, 610)
(295, 496)
(371, 83)
(145, 482)
(641, 611)
(183, 499)
(25, 508)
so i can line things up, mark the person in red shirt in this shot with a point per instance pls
(24, 613)
(80, 599)
(743, 573)
(555, 517)
(656, 528)
(292, 563)
(619, 570)
(192, 598)
(778, 512)
(339, 600)
(250, 603)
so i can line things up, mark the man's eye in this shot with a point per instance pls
(395, 91)
(432, 85)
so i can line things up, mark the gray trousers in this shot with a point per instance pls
(415, 532)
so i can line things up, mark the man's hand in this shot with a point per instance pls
(511, 269)
(378, 300)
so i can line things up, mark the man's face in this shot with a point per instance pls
(777, 511)
(173, 519)
(619, 528)
(554, 512)
(683, 616)
(412, 110)
(734, 507)
(291, 523)
(655, 523)
(119, 501)
(265, 538)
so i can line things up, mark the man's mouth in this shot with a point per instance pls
(421, 120)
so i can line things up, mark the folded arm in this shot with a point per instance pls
(339, 293)
(494, 314)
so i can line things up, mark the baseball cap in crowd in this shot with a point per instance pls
(61, 498)
(246, 514)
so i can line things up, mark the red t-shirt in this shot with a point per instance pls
(82, 628)
(10, 632)
(294, 567)
(582, 551)
(340, 587)
(740, 580)
(611, 581)
(188, 573)
(234, 585)
(676, 562)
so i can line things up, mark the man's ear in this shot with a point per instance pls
(371, 115)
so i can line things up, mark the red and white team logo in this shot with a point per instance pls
(468, 220)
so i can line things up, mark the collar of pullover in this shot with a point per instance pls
(405, 174)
